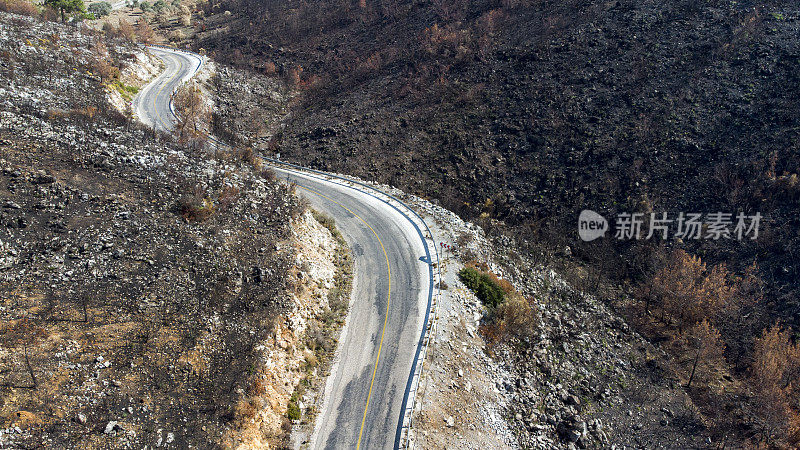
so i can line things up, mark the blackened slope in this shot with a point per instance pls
(532, 111)
(131, 308)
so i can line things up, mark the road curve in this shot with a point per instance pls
(363, 398)
(152, 104)
(365, 393)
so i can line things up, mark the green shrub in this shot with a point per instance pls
(482, 284)
(293, 411)
(324, 219)
(127, 92)
(327, 222)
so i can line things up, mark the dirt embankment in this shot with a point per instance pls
(287, 356)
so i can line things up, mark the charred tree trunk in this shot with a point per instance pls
(694, 368)
(30, 367)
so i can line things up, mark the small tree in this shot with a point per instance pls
(773, 375)
(145, 32)
(676, 285)
(688, 293)
(740, 316)
(703, 347)
(27, 334)
(22, 7)
(65, 7)
(126, 30)
(101, 62)
(101, 9)
(185, 16)
(294, 76)
(517, 317)
(194, 112)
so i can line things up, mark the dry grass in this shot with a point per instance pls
(22, 7)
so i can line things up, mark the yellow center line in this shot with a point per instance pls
(158, 112)
(386, 316)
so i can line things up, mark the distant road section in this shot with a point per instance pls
(152, 105)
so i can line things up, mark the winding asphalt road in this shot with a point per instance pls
(152, 104)
(364, 395)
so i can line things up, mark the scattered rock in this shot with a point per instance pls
(111, 427)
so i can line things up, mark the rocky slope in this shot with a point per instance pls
(291, 355)
(145, 288)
